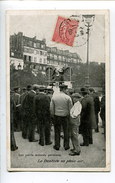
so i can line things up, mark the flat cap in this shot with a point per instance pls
(77, 95)
(29, 87)
(42, 88)
(91, 90)
(49, 88)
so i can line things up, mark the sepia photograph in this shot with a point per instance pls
(58, 90)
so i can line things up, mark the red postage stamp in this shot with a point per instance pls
(65, 31)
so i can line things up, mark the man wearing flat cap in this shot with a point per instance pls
(74, 123)
(60, 108)
(42, 110)
(88, 120)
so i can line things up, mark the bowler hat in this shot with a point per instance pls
(35, 87)
(29, 87)
(84, 90)
(16, 88)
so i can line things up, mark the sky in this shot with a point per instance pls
(42, 26)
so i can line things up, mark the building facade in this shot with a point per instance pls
(33, 54)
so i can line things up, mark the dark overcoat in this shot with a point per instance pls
(12, 138)
(29, 105)
(88, 113)
(96, 102)
(102, 113)
(42, 105)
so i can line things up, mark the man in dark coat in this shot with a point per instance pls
(96, 106)
(22, 96)
(29, 115)
(87, 118)
(42, 110)
(12, 109)
(17, 116)
(102, 113)
(23, 112)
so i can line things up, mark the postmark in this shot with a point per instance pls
(65, 30)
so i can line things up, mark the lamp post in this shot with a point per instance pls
(19, 68)
(88, 22)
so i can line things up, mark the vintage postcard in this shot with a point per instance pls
(58, 90)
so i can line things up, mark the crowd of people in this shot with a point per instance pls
(39, 108)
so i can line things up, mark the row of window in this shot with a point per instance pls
(52, 56)
(61, 52)
(42, 60)
(32, 44)
(35, 59)
(55, 63)
(61, 58)
(30, 50)
(38, 67)
(55, 50)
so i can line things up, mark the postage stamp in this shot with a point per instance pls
(58, 90)
(65, 31)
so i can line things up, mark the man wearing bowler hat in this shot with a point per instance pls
(88, 120)
(42, 110)
(96, 106)
(29, 110)
(24, 113)
(60, 109)
(23, 94)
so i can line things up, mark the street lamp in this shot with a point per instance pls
(19, 68)
(88, 22)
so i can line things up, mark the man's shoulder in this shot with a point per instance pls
(30, 94)
(60, 95)
(87, 98)
(17, 94)
(41, 95)
(68, 97)
(23, 94)
(37, 96)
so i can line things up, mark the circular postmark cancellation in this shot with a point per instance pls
(65, 31)
(70, 31)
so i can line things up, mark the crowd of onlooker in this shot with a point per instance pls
(39, 108)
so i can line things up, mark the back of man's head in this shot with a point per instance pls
(29, 87)
(91, 90)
